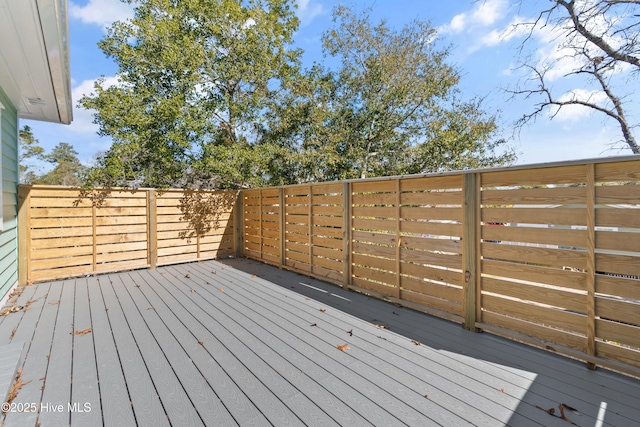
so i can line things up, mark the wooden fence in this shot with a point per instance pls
(63, 235)
(548, 255)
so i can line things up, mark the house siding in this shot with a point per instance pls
(9, 231)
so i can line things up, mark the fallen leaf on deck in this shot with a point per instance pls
(16, 293)
(187, 275)
(83, 332)
(563, 416)
(314, 324)
(382, 338)
(501, 390)
(322, 310)
(192, 290)
(15, 387)
(253, 276)
(569, 407)
(213, 271)
(426, 396)
(343, 347)
(395, 313)
(221, 290)
(380, 326)
(12, 333)
(54, 302)
(10, 310)
(200, 342)
(350, 333)
(549, 411)
(415, 342)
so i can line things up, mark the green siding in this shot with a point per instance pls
(9, 232)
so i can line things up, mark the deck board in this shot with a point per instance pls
(57, 383)
(216, 368)
(242, 343)
(339, 363)
(175, 400)
(204, 400)
(147, 407)
(84, 375)
(115, 401)
(331, 329)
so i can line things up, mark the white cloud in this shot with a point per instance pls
(101, 12)
(83, 119)
(308, 10)
(458, 23)
(575, 113)
(488, 12)
(483, 14)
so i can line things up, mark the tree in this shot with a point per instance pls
(194, 80)
(67, 169)
(28, 148)
(391, 107)
(598, 42)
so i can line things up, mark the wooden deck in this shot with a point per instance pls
(241, 343)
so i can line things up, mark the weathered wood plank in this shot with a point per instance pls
(534, 196)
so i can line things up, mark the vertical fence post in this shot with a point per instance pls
(310, 228)
(398, 293)
(24, 233)
(591, 263)
(238, 222)
(94, 234)
(346, 235)
(152, 233)
(282, 220)
(470, 239)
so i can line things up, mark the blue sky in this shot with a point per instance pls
(484, 57)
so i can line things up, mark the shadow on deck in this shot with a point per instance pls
(236, 342)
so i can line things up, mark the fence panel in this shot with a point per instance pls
(547, 255)
(63, 235)
(261, 213)
(534, 253)
(431, 242)
(617, 263)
